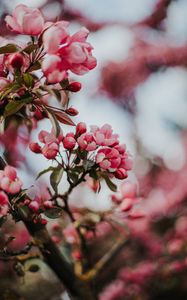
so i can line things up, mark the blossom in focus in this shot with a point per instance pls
(53, 69)
(9, 182)
(51, 144)
(54, 35)
(25, 20)
(104, 135)
(87, 142)
(66, 52)
(78, 53)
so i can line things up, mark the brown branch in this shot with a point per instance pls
(76, 288)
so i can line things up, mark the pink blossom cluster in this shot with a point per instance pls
(109, 155)
(64, 52)
(38, 199)
(9, 184)
(51, 144)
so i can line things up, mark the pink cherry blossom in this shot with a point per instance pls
(50, 150)
(77, 53)
(9, 182)
(25, 20)
(104, 135)
(108, 158)
(54, 69)
(51, 144)
(87, 142)
(55, 35)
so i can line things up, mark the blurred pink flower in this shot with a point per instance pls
(25, 20)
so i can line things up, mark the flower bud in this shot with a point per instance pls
(35, 147)
(69, 142)
(72, 111)
(74, 87)
(16, 60)
(48, 204)
(121, 174)
(34, 206)
(80, 128)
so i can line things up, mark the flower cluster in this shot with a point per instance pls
(51, 144)
(64, 52)
(99, 145)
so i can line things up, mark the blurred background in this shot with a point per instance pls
(139, 87)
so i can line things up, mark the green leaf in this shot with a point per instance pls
(54, 122)
(64, 83)
(9, 88)
(28, 80)
(82, 154)
(13, 107)
(45, 171)
(56, 177)
(35, 66)
(109, 183)
(9, 48)
(53, 213)
(73, 176)
(30, 48)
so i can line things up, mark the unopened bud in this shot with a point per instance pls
(74, 87)
(72, 111)
(35, 147)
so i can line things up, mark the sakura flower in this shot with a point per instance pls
(77, 53)
(51, 144)
(87, 142)
(25, 20)
(9, 182)
(50, 150)
(108, 158)
(55, 35)
(53, 69)
(104, 135)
